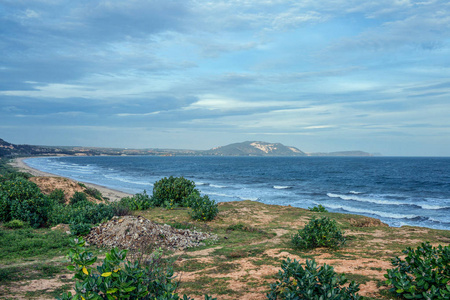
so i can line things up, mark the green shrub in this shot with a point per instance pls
(140, 201)
(318, 208)
(323, 232)
(22, 200)
(15, 224)
(423, 274)
(58, 196)
(80, 228)
(311, 282)
(77, 198)
(173, 191)
(82, 212)
(202, 208)
(94, 193)
(81, 184)
(117, 278)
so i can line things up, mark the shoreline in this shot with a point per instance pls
(112, 194)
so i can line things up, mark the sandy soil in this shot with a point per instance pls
(111, 194)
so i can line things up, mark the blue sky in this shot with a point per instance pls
(325, 75)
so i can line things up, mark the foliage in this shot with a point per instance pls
(80, 228)
(22, 200)
(118, 278)
(82, 212)
(140, 201)
(24, 243)
(58, 196)
(323, 232)
(82, 185)
(15, 224)
(173, 191)
(94, 193)
(423, 274)
(202, 208)
(311, 282)
(318, 208)
(78, 197)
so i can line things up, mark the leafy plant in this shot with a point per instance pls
(22, 200)
(58, 196)
(94, 193)
(423, 274)
(323, 232)
(78, 197)
(173, 191)
(15, 224)
(202, 208)
(311, 282)
(118, 278)
(318, 208)
(140, 201)
(80, 228)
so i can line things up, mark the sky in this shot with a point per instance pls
(322, 76)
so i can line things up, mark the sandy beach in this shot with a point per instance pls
(112, 194)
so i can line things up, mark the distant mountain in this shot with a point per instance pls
(255, 149)
(342, 153)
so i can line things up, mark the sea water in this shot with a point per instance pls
(397, 190)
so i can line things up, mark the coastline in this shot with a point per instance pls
(113, 195)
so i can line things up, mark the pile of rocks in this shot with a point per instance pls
(134, 233)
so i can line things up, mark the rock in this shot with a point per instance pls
(134, 233)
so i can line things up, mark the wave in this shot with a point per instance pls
(282, 187)
(118, 178)
(217, 186)
(370, 200)
(373, 212)
(201, 183)
(355, 193)
(433, 207)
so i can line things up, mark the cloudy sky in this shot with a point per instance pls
(324, 75)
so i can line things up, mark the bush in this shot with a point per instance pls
(117, 278)
(318, 208)
(80, 228)
(58, 196)
(202, 208)
(423, 274)
(78, 197)
(94, 193)
(323, 232)
(173, 191)
(22, 200)
(15, 224)
(139, 201)
(311, 282)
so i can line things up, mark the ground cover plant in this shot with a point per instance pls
(423, 274)
(201, 208)
(119, 278)
(323, 232)
(311, 282)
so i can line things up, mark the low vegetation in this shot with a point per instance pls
(323, 232)
(424, 273)
(311, 282)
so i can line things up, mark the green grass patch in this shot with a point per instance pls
(26, 243)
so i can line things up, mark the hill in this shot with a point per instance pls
(255, 149)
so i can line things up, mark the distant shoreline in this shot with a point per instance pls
(112, 194)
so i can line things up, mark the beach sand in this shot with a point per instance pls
(112, 194)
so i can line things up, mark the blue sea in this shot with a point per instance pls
(397, 190)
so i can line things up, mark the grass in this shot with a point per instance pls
(32, 244)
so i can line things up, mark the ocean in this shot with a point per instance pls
(397, 190)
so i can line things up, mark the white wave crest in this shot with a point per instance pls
(369, 200)
(282, 187)
(372, 212)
